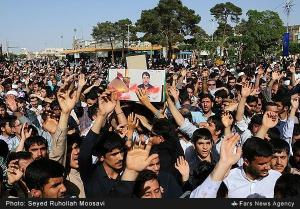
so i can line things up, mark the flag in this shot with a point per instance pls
(285, 41)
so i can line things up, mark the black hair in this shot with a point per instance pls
(296, 147)
(202, 96)
(201, 133)
(35, 140)
(92, 111)
(285, 100)
(40, 171)
(4, 151)
(221, 93)
(251, 99)
(146, 74)
(279, 146)
(142, 178)
(287, 186)
(108, 141)
(201, 172)
(296, 131)
(256, 119)
(164, 128)
(256, 147)
(218, 123)
(22, 155)
(93, 95)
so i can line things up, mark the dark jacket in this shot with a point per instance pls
(95, 180)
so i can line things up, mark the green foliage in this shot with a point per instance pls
(223, 30)
(168, 23)
(223, 11)
(261, 34)
(294, 48)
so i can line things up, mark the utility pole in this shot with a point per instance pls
(287, 10)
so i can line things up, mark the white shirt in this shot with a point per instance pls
(239, 186)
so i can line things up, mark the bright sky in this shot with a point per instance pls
(38, 24)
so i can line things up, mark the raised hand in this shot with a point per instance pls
(230, 153)
(175, 77)
(270, 119)
(81, 80)
(67, 97)
(143, 96)
(227, 119)
(183, 72)
(132, 122)
(205, 74)
(276, 75)
(246, 90)
(144, 121)
(174, 92)
(183, 167)
(14, 173)
(107, 102)
(138, 157)
(260, 71)
(25, 133)
(292, 69)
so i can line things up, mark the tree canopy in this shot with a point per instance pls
(168, 23)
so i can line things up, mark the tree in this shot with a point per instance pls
(106, 32)
(122, 32)
(294, 48)
(168, 23)
(223, 11)
(219, 33)
(261, 34)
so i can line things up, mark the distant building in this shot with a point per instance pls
(294, 33)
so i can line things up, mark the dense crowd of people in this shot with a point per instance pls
(222, 132)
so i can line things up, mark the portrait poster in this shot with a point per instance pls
(136, 62)
(152, 81)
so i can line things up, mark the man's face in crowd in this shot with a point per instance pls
(35, 87)
(2, 112)
(190, 92)
(54, 188)
(43, 93)
(259, 106)
(280, 107)
(252, 107)
(74, 156)
(206, 104)
(38, 151)
(274, 89)
(154, 166)
(114, 159)
(146, 79)
(203, 148)
(211, 126)
(7, 129)
(218, 100)
(259, 167)
(231, 83)
(211, 84)
(91, 102)
(34, 102)
(273, 108)
(254, 128)
(17, 127)
(279, 161)
(152, 189)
